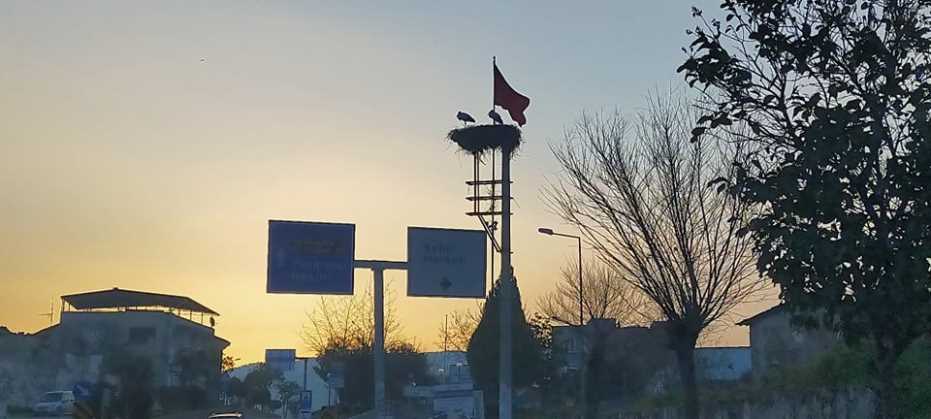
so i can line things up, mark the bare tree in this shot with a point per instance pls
(646, 199)
(348, 322)
(604, 296)
(457, 330)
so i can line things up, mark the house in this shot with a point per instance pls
(97, 326)
(775, 341)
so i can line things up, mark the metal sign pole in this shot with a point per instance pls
(504, 361)
(379, 349)
(378, 269)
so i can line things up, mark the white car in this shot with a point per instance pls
(55, 403)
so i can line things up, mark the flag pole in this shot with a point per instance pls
(493, 65)
(505, 355)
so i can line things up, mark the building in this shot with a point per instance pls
(776, 342)
(453, 393)
(173, 333)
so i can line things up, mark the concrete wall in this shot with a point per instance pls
(776, 343)
(842, 404)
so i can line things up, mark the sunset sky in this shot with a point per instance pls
(145, 145)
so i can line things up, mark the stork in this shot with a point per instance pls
(464, 117)
(495, 117)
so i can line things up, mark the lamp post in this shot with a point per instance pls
(582, 379)
(550, 232)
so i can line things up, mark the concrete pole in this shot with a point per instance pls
(379, 344)
(505, 371)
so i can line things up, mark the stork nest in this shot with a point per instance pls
(477, 139)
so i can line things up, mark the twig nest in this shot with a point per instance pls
(477, 139)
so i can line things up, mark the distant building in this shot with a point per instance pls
(453, 393)
(164, 329)
(776, 342)
(322, 393)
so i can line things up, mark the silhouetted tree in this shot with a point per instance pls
(286, 391)
(134, 396)
(642, 197)
(457, 330)
(836, 95)
(605, 295)
(404, 365)
(227, 363)
(258, 384)
(484, 348)
(348, 322)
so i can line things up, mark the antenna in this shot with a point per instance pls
(50, 314)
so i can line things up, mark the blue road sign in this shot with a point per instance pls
(280, 359)
(310, 258)
(306, 400)
(82, 390)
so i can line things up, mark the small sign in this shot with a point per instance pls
(310, 258)
(445, 262)
(280, 359)
(82, 390)
(307, 400)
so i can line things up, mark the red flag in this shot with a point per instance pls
(507, 98)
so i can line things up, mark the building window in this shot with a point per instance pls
(141, 335)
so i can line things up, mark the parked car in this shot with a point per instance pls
(227, 415)
(55, 403)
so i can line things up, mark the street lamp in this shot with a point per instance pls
(550, 232)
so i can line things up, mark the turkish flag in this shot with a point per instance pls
(507, 98)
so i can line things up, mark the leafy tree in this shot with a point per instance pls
(227, 363)
(238, 389)
(484, 347)
(258, 384)
(404, 365)
(835, 94)
(134, 397)
(286, 391)
(642, 196)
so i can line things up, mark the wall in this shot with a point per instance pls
(843, 404)
(775, 342)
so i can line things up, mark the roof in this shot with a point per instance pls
(759, 316)
(117, 298)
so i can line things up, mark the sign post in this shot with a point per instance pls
(378, 270)
(319, 258)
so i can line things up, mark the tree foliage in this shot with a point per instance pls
(348, 322)
(605, 295)
(646, 200)
(258, 384)
(836, 95)
(484, 346)
(134, 397)
(341, 331)
(458, 328)
(404, 365)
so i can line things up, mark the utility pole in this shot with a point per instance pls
(505, 371)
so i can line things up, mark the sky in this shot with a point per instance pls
(144, 145)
